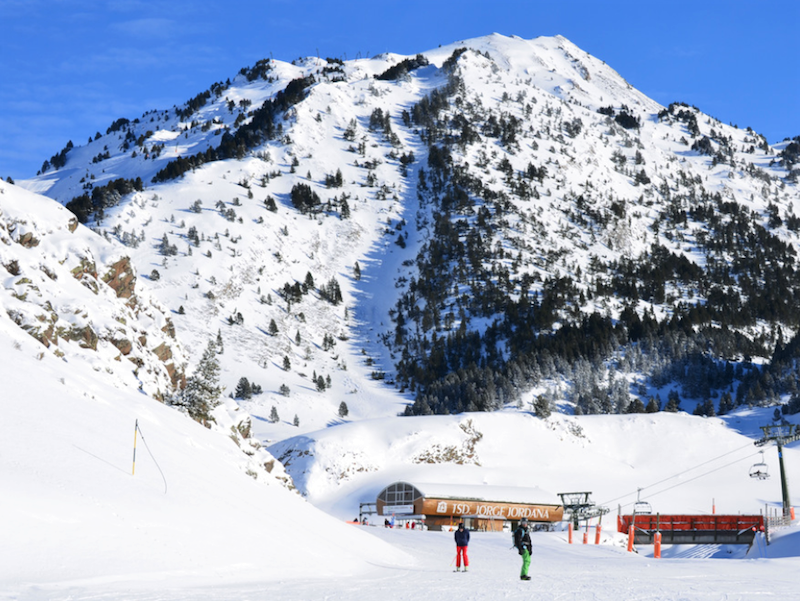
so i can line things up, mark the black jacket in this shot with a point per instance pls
(522, 539)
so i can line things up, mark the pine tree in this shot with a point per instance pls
(541, 407)
(343, 410)
(273, 327)
(296, 421)
(308, 283)
(273, 415)
(202, 392)
(331, 292)
(725, 404)
(243, 389)
(636, 406)
(673, 402)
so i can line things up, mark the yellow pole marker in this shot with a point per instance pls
(135, 432)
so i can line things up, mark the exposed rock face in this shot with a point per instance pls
(104, 318)
(85, 336)
(44, 335)
(124, 345)
(121, 278)
(28, 240)
(84, 268)
(163, 352)
(169, 329)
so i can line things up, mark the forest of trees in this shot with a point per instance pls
(452, 367)
(260, 128)
(487, 316)
(86, 207)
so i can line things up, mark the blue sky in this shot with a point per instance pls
(68, 68)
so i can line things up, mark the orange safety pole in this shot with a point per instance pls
(570, 533)
(657, 541)
(597, 534)
(630, 538)
(791, 513)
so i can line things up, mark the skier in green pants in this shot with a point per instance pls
(522, 541)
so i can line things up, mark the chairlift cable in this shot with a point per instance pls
(700, 476)
(683, 472)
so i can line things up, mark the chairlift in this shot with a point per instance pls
(760, 470)
(641, 507)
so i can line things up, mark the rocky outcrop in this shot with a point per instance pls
(43, 252)
(124, 345)
(85, 336)
(121, 278)
(28, 240)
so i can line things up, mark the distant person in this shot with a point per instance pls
(462, 541)
(522, 541)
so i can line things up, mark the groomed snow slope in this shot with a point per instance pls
(74, 516)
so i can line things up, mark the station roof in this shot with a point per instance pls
(484, 492)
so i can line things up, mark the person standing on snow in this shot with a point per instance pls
(522, 541)
(462, 540)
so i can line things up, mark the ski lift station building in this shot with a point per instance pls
(480, 507)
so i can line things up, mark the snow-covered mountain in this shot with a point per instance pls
(499, 211)
(495, 225)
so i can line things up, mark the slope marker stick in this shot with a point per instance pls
(135, 432)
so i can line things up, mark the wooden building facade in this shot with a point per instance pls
(486, 508)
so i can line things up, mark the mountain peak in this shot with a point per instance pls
(444, 220)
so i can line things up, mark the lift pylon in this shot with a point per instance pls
(577, 507)
(781, 435)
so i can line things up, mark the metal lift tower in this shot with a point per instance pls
(781, 435)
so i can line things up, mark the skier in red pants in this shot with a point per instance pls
(462, 540)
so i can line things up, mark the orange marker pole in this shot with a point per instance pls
(630, 538)
(597, 534)
(570, 533)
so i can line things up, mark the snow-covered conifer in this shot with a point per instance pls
(202, 391)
